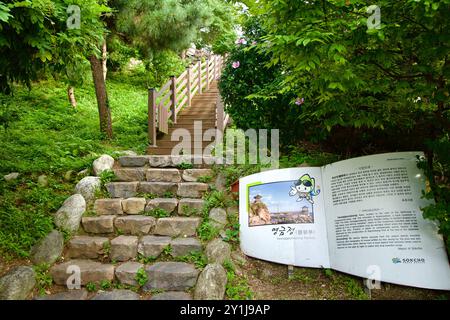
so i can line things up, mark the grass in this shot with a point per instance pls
(141, 277)
(25, 212)
(195, 257)
(237, 287)
(157, 213)
(207, 232)
(43, 278)
(48, 136)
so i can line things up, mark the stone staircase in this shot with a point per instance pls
(152, 215)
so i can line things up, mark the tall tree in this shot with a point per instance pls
(155, 25)
(35, 36)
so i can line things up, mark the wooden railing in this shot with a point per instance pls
(177, 93)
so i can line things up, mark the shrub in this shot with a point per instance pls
(245, 91)
(437, 172)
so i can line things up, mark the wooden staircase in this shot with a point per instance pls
(203, 111)
(185, 108)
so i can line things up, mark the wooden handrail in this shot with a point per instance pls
(177, 93)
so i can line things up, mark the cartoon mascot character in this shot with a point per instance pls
(305, 188)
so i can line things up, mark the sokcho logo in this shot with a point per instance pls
(408, 260)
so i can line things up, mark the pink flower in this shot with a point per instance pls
(236, 64)
(241, 41)
(254, 43)
(299, 101)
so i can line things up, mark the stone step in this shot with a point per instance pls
(153, 246)
(98, 225)
(116, 294)
(172, 276)
(130, 174)
(133, 205)
(71, 295)
(122, 189)
(158, 161)
(158, 188)
(157, 175)
(108, 207)
(192, 175)
(126, 272)
(190, 207)
(131, 189)
(168, 204)
(90, 271)
(135, 225)
(177, 226)
(192, 189)
(185, 246)
(87, 247)
(138, 225)
(163, 175)
(133, 161)
(124, 248)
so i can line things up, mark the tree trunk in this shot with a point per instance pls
(71, 96)
(102, 97)
(104, 59)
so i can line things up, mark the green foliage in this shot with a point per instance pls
(141, 277)
(162, 66)
(237, 288)
(294, 156)
(25, 211)
(328, 273)
(301, 277)
(438, 189)
(188, 211)
(173, 24)
(185, 165)
(168, 194)
(195, 257)
(107, 176)
(34, 33)
(146, 195)
(8, 114)
(106, 249)
(91, 286)
(204, 179)
(119, 53)
(355, 290)
(50, 136)
(233, 173)
(43, 278)
(374, 85)
(242, 90)
(167, 250)
(145, 260)
(157, 213)
(206, 231)
(232, 233)
(221, 33)
(216, 199)
(105, 284)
